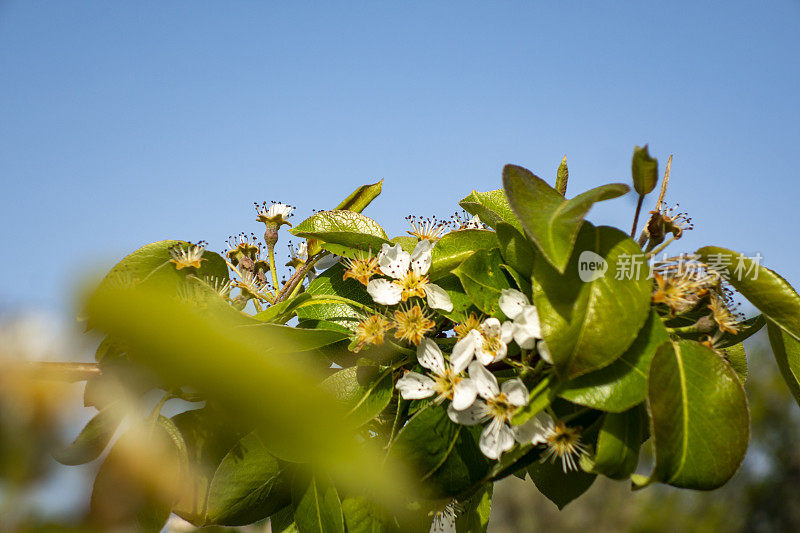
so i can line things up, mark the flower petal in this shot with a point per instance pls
(464, 394)
(528, 321)
(534, 431)
(463, 351)
(485, 382)
(327, 262)
(394, 261)
(496, 439)
(491, 327)
(421, 257)
(512, 302)
(515, 391)
(507, 332)
(415, 386)
(384, 291)
(430, 356)
(544, 351)
(438, 298)
(472, 415)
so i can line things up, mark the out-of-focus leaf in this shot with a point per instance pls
(282, 312)
(364, 392)
(457, 246)
(644, 170)
(283, 521)
(483, 280)
(302, 340)
(588, 325)
(361, 197)
(342, 227)
(248, 485)
(318, 509)
(556, 485)
(622, 384)
(331, 282)
(618, 443)
(700, 419)
(517, 252)
(562, 176)
(551, 221)
(492, 208)
(363, 516)
(475, 516)
(93, 438)
(787, 354)
(765, 289)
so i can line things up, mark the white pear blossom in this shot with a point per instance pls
(444, 521)
(444, 381)
(490, 342)
(498, 405)
(409, 277)
(276, 213)
(535, 430)
(474, 223)
(525, 326)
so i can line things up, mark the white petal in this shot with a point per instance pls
(438, 298)
(327, 262)
(502, 351)
(464, 394)
(534, 431)
(384, 291)
(474, 223)
(463, 351)
(394, 261)
(430, 356)
(507, 332)
(496, 439)
(485, 382)
(421, 257)
(415, 386)
(444, 522)
(544, 352)
(484, 357)
(472, 415)
(491, 327)
(529, 320)
(512, 302)
(515, 391)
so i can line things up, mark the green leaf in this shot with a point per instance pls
(747, 329)
(303, 339)
(515, 249)
(407, 242)
(455, 247)
(361, 197)
(557, 486)
(699, 414)
(282, 312)
(588, 325)
(363, 391)
(618, 443)
(331, 282)
(562, 176)
(249, 484)
(342, 227)
(462, 304)
(93, 438)
(492, 207)
(483, 280)
(787, 353)
(738, 360)
(283, 521)
(622, 384)
(540, 397)
(319, 509)
(645, 171)
(475, 516)
(363, 516)
(765, 289)
(551, 221)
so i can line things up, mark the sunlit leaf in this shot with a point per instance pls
(787, 354)
(645, 170)
(491, 207)
(361, 197)
(342, 227)
(457, 246)
(483, 280)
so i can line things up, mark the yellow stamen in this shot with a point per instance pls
(371, 331)
(411, 324)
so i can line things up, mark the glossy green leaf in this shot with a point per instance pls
(551, 221)
(363, 516)
(319, 509)
(622, 384)
(331, 282)
(787, 354)
(562, 176)
(93, 438)
(282, 312)
(407, 242)
(361, 197)
(737, 358)
(588, 325)
(540, 397)
(699, 414)
(747, 329)
(515, 249)
(492, 207)
(557, 486)
(475, 514)
(483, 280)
(765, 289)
(644, 170)
(618, 443)
(363, 391)
(342, 227)
(455, 247)
(462, 303)
(249, 484)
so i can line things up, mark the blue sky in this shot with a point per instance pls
(126, 123)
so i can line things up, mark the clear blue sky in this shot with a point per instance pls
(123, 123)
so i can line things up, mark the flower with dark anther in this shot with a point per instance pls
(722, 315)
(444, 521)
(474, 223)
(679, 293)
(189, 256)
(371, 331)
(498, 405)
(409, 273)
(411, 324)
(429, 229)
(564, 443)
(276, 213)
(299, 254)
(490, 342)
(525, 318)
(463, 328)
(444, 380)
(361, 267)
(251, 284)
(242, 245)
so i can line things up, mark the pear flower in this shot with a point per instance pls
(444, 521)
(489, 343)
(474, 223)
(444, 380)
(276, 214)
(408, 273)
(188, 257)
(498, 405)
(562, 442)
(526, 327)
